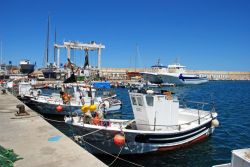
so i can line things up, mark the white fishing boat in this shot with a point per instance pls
(159, 124)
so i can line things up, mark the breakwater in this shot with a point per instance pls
(121, 73)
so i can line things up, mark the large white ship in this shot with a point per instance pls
(173, 74)
(177, 75)
(154, 76)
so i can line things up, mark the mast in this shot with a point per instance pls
(137, 55)
(158, 62)
(55, 48)
(1, 53)
(47, 45)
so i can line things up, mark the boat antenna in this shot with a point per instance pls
(177, 60)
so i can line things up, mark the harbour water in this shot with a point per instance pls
(232, 103)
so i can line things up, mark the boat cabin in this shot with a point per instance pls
(154, 111)
(159, 68)
(176, 68)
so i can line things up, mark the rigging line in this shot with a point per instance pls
(113, 155)
(116, 156)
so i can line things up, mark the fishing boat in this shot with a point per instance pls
(159, 124)
(71, 99)
(26, 67)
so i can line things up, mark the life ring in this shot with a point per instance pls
(37, 92)
(31, 92)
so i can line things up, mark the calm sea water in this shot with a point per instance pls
(232, 103)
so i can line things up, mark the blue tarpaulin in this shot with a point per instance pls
(101, 85)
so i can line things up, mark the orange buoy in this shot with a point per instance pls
(59, 108)
(119, 139)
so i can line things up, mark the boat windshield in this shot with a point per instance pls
(150, 100)
(140, 101)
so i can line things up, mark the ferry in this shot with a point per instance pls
(154, 76)
(172, 74)
(177, 75)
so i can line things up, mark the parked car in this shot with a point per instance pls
(40, 77)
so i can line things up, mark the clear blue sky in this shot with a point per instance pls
(202, 34)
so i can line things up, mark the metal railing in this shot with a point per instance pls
(179, 126)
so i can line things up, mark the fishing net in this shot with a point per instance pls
(7, 157)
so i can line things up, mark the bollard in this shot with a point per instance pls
(4, 91)
(21, 111)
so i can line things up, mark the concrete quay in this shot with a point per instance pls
(38, 142)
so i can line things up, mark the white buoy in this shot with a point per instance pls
(215, 123)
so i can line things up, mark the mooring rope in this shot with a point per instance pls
(52, 120)
(113, 155)
(23, 117)
(7, 112)
(91, 133)
(116, 156)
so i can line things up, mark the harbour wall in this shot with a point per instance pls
(121, 73)
(36, 141)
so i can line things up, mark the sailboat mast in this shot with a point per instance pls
(55, 48)
(137, 55)
(1, 53)
(47, 45)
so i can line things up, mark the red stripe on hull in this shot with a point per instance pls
(170, 148)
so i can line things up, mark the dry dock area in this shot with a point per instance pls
(38, 142)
